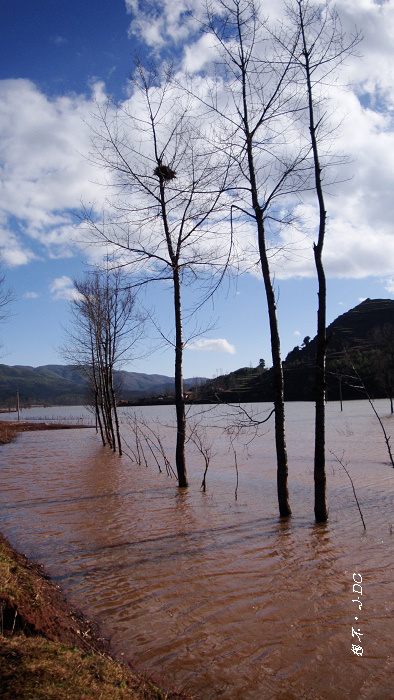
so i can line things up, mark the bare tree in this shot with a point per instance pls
(6, 297)
(198, 435)
(163, 220)
(148, 443)
(320, 50)
(358, 383)
(269, 166)
(106, 326)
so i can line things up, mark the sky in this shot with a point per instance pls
(58, 58)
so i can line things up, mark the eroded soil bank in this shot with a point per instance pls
(9, 429)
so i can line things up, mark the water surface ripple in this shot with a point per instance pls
(212, 594)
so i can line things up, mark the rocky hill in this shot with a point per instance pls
(362, 337)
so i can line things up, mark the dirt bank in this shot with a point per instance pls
(8, 428)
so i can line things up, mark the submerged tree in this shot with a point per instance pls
(254, 110)
(162, 222)
(106, 326)
(320, 49)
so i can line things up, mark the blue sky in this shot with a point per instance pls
(55, 56)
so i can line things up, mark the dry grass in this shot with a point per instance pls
(49, 651)
(34, 667)
(8, 431)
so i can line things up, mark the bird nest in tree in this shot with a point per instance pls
(165, 172)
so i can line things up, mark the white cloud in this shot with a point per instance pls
(45, 172)
(353, 249)
(63, 288)
(199, 54)
(160, 22)
(212, 345)
(13, 251)
(44, 141)
(31, 295)
(389, 286)
(297, 333)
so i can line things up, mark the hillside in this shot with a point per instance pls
(66, 385)
(365, 334)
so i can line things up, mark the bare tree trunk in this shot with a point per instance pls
(179, 394)
(280, 435)
(96, 394)
(98, 417)
(321, 512)
(115, 410)
(107, 412)
(279, 403)
(245, 25)
(110, 411)
(180, 457)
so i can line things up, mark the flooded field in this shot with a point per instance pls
(206, 591)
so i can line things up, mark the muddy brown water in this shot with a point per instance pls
(212, 594)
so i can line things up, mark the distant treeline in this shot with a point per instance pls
(67, 385)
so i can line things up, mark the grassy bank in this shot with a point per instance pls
(47, 650)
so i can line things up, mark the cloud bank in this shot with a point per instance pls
(46, 172)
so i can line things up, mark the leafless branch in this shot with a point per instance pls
(344, 467)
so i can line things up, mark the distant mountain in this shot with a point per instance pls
(365, 334)
(66, 385)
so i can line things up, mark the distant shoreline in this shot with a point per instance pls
(9, 429)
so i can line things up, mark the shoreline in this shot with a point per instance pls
(47, 648)
(10, 428)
